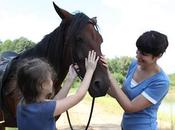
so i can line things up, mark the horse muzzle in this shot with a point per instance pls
(98, 88)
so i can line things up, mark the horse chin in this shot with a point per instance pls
(97, 92)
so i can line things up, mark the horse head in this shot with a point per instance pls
(81, 36)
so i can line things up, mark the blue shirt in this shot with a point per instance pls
(36, 116)
(153, 89)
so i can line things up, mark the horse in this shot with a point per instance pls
(68, 44)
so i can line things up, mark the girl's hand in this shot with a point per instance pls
(72, 73)
(91, 61)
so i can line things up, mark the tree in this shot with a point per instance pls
(18, 45)
(119, 67)
(6, 46)
(172, 80)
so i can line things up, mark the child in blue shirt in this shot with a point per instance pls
(145, 85)
(34, 78)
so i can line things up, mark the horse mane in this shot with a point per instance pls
(51, 47)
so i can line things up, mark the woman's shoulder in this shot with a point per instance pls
(162, 75)
(133, 63)
(160, 78)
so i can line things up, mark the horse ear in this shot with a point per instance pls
(61, 12)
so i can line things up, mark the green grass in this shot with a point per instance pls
(11, 129)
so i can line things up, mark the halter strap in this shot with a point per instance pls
(77, 70)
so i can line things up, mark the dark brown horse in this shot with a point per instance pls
(67, 44)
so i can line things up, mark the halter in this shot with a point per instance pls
(77, 70)
(94, 23)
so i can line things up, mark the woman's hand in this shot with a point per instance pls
(105, 64)
(113, 82)
(104, 61)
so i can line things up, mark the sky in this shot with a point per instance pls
(120, 22)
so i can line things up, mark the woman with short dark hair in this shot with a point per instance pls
(145, 85)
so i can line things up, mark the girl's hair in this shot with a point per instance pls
(152, 42)
(30, 76)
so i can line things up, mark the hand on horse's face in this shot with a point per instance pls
(72, 73)
(91, 61)
(104, 61)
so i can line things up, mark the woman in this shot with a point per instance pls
(145, 85)
(36, 111)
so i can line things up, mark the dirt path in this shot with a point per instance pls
(79, 115)
(101, 120)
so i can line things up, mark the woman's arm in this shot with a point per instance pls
(137, 104)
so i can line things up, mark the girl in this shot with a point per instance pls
(35, 111)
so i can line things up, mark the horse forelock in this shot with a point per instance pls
(77, 24)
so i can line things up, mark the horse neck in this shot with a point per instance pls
(51, 48)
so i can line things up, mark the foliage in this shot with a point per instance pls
(18, 45)
(172, 80)
(119, 67)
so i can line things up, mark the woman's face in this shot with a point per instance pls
(145, 58)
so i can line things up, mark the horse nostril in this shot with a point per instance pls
(97, 84)
(98, 88)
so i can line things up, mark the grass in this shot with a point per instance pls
(166, 116)
(11, 129)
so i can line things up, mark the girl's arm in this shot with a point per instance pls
(67, 84)
(68, 102)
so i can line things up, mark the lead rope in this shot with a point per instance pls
(92, 106)
(90, 115)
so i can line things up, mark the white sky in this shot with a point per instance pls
(121, 22)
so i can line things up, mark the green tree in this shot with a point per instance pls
(172, 80)
(22, 44)
(6, 45)
(18, 45)
(119, 66)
